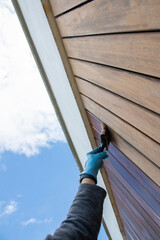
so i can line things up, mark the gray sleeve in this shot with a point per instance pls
(84, 218)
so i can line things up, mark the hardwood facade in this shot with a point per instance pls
(114, 51)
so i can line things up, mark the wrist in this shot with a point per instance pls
(88, 176)
(88, 181)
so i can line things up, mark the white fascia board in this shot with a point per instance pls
(40, 32)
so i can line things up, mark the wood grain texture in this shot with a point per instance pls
(101, 16)
(131, 235)
(136, 157)
(60, 6)
(136, 172)
(142, 178)
(141, 142)
(148, 198)
(130, 215)
(142, 119)
(147, 221)
(140, 89)
(146, 207)
(138, 52)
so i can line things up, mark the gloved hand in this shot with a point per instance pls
(94, 163)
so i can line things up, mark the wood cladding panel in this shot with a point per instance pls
(141, 212)
(136, 172)
(136, 157)
(111, 170)
(61, 6)
(101, 16)
(140, 89)
(138, 52)
(142, 119)
(136, 209)
(134, 137)
(137, 225)
(134, 183)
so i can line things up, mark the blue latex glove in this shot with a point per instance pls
(94, 162)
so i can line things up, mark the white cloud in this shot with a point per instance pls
(28, 120)
(8, 209)
(35, 221)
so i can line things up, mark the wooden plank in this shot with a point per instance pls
(140, 89)
(136, 157)
(141, 142)
(61, 6)
(138, 52)
(141, 191)
(147, 183)
(145, 219)
(129, 230)
(101, 16)
(140, 118)
(143, 179)
(111, 170)
(145, 195)
(136, 224)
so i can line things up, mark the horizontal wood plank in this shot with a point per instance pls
(148, 198)
(141, 142)
(136, 172)
(101, 16)
(143, 179)
(129, 199)
(138, 52)
(131, 235)
(140, 118)
(146, 207)
(140, 89)
(61, 6)
(135, 156)
(136, 223)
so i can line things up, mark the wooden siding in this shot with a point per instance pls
(138, 52)
(114, 51)
(62, 6)
(131, 184)
(101, 16)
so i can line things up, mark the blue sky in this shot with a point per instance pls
(38, 174)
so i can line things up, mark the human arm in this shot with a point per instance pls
(84, 217)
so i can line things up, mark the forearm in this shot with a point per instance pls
(84, 217)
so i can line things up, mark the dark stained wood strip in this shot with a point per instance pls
(101, 16)
(137, 226)
(136, 157)
(142, 178)
(142, 119)
(139, 215)
(141, 142)
(136, 172)
(61, 6)
(110, 169)
(129, 231)
(138, 52)
(135, 203)
(148, 198)
(140, 89)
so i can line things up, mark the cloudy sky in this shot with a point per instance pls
(38, 174)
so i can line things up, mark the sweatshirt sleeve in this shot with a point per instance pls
(84, 218)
